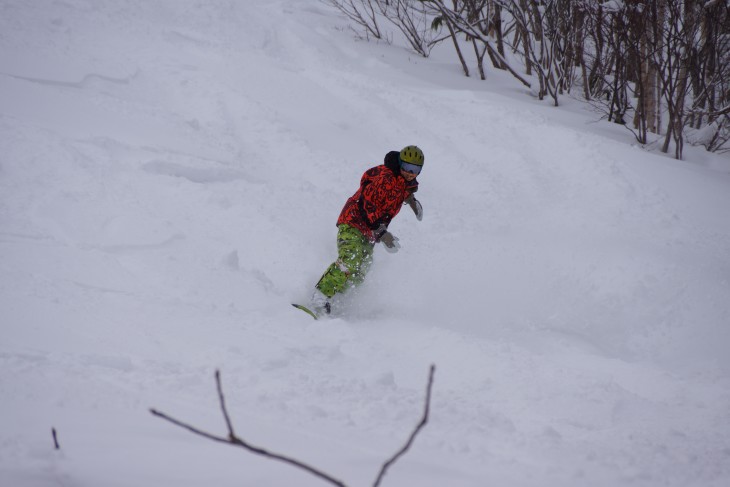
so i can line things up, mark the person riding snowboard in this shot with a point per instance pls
(364, 222)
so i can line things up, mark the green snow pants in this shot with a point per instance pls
(354, 256)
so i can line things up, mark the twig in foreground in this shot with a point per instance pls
(419, 426)
(232, 439)
(55, 439)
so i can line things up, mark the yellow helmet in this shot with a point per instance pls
(411, 155)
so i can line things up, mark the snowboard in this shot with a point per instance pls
(305, 309)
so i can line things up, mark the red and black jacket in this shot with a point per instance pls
(379, 198)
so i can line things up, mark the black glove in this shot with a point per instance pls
(390, 241)
(378, 232)
(415, 206)
(383, 236)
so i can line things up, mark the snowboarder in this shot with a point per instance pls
(364, 222)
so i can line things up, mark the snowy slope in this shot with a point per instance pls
(170, 177)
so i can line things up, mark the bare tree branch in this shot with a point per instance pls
(410, 17)
(364, 15)
(463, 25)
(419, 426)
(222, 400)
(190, 428)
(722, 111)
(234, 440)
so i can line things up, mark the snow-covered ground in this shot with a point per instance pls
(170, 176)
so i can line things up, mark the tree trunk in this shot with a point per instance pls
(456, 46)
(480, 58)
(648, 84)
(497, 24)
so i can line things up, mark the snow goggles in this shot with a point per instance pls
(411, 168)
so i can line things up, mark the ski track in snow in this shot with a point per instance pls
(169, 181)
